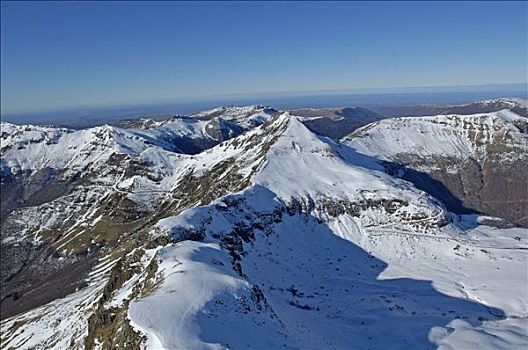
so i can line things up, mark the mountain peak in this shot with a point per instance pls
(172, 234)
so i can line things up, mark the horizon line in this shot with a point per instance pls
(279, 94)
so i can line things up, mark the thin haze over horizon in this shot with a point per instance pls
(57, 55)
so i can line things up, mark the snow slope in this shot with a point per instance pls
(333, 281)
(459, 136)
(30, 148)
(199, 283)
(334, 284)
(288, 240)
(470, 162)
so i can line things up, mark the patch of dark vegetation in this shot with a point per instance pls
(25, 190)
(413, 110)
(336, 123)
(122, 210)
(427, 183)
(522, 125)
(159, 241)
(35, 275)
(302, 306)
(200, 190)
(494, 186)
(234, 246)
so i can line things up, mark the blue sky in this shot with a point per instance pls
(56, 55)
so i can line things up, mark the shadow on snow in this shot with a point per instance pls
(324, 289)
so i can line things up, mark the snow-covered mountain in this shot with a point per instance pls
(477, 161)
(60, 157)
(269, 237)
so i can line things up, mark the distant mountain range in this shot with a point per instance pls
(374, 98)
(262, 228)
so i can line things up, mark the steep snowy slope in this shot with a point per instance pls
(458, 136)
(19, 136)
(82, 150)
(313, 289)
(48, 249)
(33, 147)
(474, 162)
(61, 159)
(321, 265)
(276, 238)
(193, 134)
(68, 195)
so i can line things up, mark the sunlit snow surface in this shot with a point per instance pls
(330, 282)
(442, 135)
(336, 286)
(307, 280)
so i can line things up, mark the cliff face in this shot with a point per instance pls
(493, 187)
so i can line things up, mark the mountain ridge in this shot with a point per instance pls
(274, 231)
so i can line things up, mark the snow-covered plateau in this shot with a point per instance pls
(240, 228)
